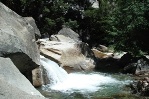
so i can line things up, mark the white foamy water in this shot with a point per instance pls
(83, 82)
(65, 82)
(55, 73)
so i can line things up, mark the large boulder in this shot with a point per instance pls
(104, 60)
(31, 21)
(110, 61)
(14, 85)
(137, 66)
(121, 62)
(69, 33)
(18, 55)
(8, 91)
(61, 38)
(17, 40)
(70, 55)
(100, 54)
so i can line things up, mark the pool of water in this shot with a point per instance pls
(90, 85)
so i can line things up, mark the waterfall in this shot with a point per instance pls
(80, 82)
(55, 73)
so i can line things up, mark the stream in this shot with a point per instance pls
(84, 85)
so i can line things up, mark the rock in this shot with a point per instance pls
(131, 68)
(19, 55)
(145, 84)
(126, 59)
(146, 56)
(102, 48)
(142, 66)
(108, 65)
(69, 33)
(45, 78)
(118, 55)
(139, 66)
(94, 3)
(141, 87)
(147, 79)
(115, 62)
(14, 85)
(8, 91)
(61, 38)
(37, 77)
(40, 77)
(101, 55)
(134, 65)
(129, 63)
(18, 40)
(31, 21)
(120, 62)
(106, 61)
(73, 55)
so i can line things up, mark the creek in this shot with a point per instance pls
(83, 85)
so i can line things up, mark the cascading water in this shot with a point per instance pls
(83, 83)
(55, 73)
(75, 82)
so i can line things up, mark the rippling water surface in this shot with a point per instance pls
(83, 85)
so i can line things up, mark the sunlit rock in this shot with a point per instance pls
(17, 40)
(75, 56)
(19, 55)
(61, 38)
(14, 85)
(101, 55)
(67, 32)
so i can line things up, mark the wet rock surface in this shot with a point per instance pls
(141, 86)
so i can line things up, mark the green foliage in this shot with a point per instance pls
(71, 24)
(129, 27)
(96, 23)
(122, 24)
